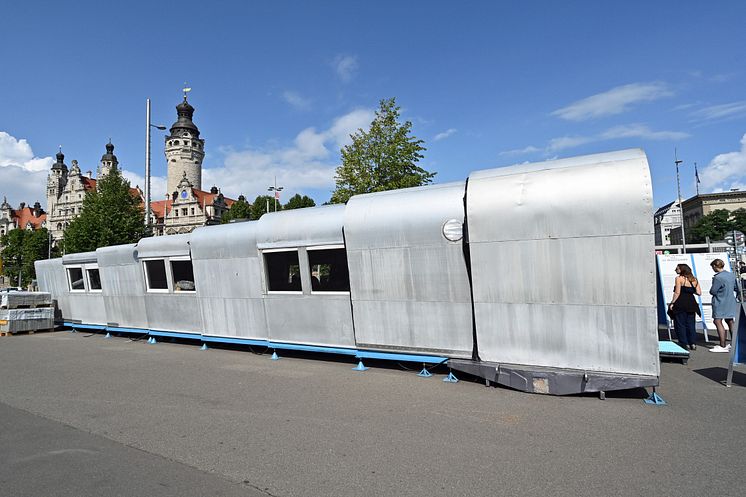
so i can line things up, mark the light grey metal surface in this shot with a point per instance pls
(229, 275)
(79, 258)
(123, 286)
(561, 260)
(171, 310)
(305, 317)
(50, 276)
(164, 246)
(85, 306)
(410, 287)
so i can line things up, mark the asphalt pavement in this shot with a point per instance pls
(84, 415)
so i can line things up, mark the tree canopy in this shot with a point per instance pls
(298, 202)
(716, 225)
(111, 215)
(259, 206)
(21, 249)
(239, 210)
(383, 158)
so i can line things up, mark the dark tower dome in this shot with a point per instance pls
(60, 164)
(184, 111)
(109, 155)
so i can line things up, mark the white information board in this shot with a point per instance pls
(700, 264)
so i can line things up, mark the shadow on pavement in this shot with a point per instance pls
(719, 375)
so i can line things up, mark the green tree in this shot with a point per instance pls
(715, 225)
(298, 202)
(21, 249)
(739, 219)
(111, 215)
(259, 206)
(383, 158)
(239, 210)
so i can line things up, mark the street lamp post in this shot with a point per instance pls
(148, 125)
(681, 208)
(277, 190)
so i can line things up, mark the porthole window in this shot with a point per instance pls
(283, 271)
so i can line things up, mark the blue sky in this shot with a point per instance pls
(278, 86)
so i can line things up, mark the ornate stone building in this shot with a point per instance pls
(27, 218)
(67, 188)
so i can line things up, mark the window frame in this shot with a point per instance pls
(170, 275)
(86, 269)
(70, 281)
(147, 278)
(266, 271)
(308, 260)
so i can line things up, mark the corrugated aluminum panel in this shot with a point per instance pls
(164, 246)
(409, 284)
(305, 317)
(563, 274)
(50, 276)
(123, 286)
(229, 277)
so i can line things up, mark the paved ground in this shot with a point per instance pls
(83, 415)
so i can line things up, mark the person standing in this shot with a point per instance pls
(724, 305)
(684, 306)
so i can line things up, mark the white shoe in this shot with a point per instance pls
(718, 348)
(728, 347)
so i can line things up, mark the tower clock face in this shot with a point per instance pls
(183, 194)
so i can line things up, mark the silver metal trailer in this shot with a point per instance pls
(171, 292)
(83, 293)
(305, 281)
(229, 275)
(50, 277)
(563, 273)
(409, 283)
(123, 289)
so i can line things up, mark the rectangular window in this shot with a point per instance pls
(94, 279)
(155, 272)
(184, 212)
(329, 271)
(183, 276)
(283, 271)
(75, 277)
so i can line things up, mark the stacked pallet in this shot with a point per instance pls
(25, 312)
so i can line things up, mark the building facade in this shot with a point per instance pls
(665, 219)
(695, 208)
(27, 218)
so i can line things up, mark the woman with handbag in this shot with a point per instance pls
(684, 306)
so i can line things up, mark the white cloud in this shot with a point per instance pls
(345, 66)
(309, 163)
(445, 134)
(725, 168)
(296, 100)
(641, 131)
(614, 101)
(23, 176)
(722, 111)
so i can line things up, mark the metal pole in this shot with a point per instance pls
(267, 206)
(275, 191)
(681, 207)
(735, 264)
(147, 162)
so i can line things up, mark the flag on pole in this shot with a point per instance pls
(696, 174)
(277, 195)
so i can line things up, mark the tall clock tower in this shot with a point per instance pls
(184, 149)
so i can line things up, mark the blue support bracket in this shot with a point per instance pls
(108, 335)
(204, 347)
(152, 341)
(360, 367)
(275, 357)
(451, 378)
(424, 373)
(655, 399)
(72, 330)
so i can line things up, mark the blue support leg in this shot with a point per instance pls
(360, 366)
(204, 347)
(275, 357)
(655, 399)
(451, 378)
(424, 373)
(108, 335)
(152, 341)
